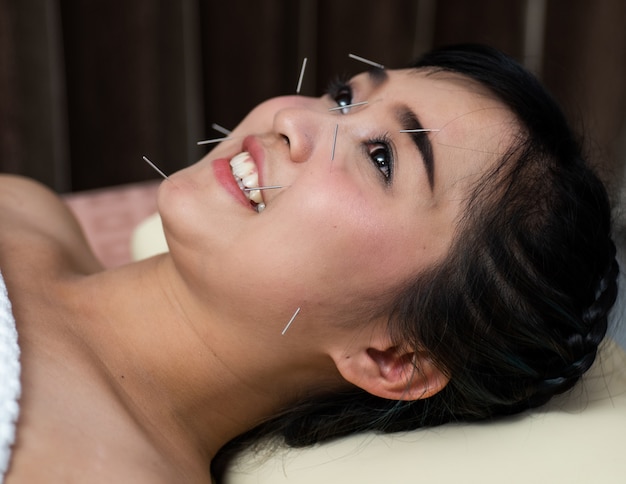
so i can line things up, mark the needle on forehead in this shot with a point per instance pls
(290, 321)
(301, 76)
(366, 61)
(221, 129)
(214, 140)
(421, 130)
(155, 167)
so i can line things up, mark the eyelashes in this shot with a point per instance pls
(337, 84)
(380, 154)
(379, 150)
(340, 91)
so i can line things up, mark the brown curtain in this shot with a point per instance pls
(88, 87)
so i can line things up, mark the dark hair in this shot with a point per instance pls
(515, 313)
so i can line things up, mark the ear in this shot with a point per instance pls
(388, 371)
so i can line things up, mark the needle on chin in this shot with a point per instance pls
(155, 168)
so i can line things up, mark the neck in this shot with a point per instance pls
(179, 368)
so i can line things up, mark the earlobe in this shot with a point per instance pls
(393, 373)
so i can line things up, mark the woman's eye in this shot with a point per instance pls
(343, 97)
(380, 154)
(340, 92)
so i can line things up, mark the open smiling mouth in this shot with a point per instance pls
(245, 172)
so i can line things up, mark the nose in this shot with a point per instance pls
(302, 124)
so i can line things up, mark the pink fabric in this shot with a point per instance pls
(108, 217)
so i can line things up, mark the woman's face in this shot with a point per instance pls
(363, 206)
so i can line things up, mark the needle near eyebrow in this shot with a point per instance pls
(421, 130)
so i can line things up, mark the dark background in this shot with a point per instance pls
(88, 87)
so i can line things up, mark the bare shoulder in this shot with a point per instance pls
(33, 217)
(25, 202)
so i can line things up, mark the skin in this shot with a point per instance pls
(140, 374)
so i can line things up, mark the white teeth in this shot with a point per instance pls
(247, 176)
(251, 181)
(255, 196)
(243, 166)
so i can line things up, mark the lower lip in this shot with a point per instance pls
(221, 169)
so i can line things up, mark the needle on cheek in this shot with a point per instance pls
(332, 156)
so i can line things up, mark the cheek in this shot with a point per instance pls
(341, 244)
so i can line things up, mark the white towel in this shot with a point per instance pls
(9, 379)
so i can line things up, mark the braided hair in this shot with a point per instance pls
(533, 272)
(516, 311)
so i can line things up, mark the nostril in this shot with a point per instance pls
(298, 129)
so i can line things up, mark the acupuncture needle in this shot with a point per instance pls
(269, 187)
(290, 321)
(221, 129)
(366, 61)
(214, 140)
(155, 167)
(301, 76)
(347, 106)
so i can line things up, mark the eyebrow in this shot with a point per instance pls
(409, 121)
(377, 76)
